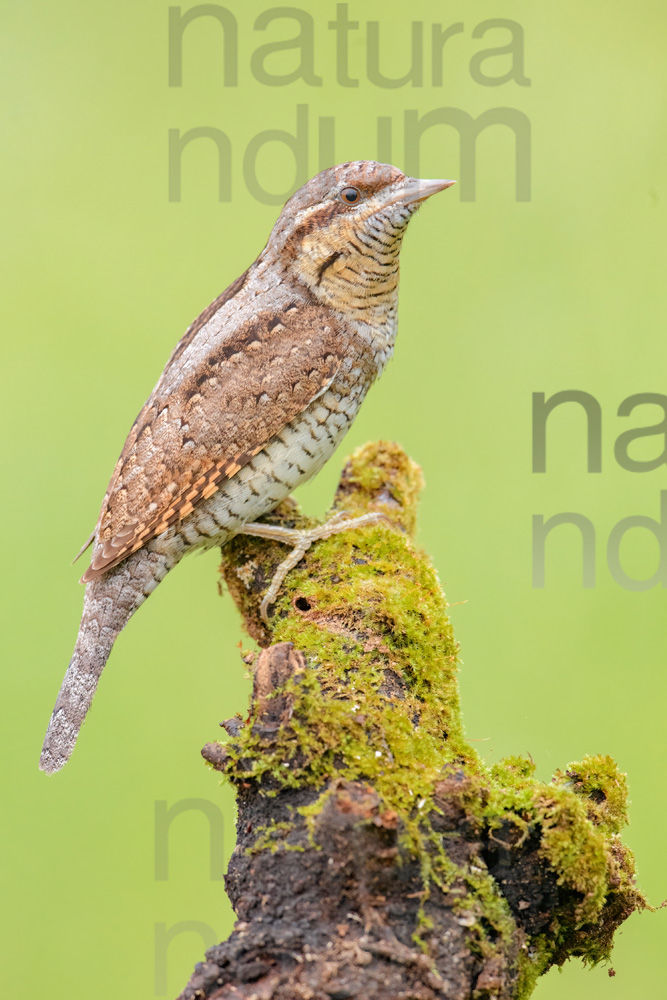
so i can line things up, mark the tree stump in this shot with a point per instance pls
(377, 856)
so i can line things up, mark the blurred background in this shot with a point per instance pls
(560, 289)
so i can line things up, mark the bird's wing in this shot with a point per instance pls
(185, 444)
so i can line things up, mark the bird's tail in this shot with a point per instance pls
(109, 603)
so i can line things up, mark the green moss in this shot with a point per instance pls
(574, 816)
(605, 788)
(511, 795)
(274, 837)
(381, 706)
(535, 957)
(574, 849)
(381, 469)
(345, 718)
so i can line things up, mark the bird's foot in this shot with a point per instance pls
(301, 542)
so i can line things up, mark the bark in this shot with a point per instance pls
(377, 856)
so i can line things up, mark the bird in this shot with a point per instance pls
(253, 400)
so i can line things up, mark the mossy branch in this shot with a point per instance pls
(377, 855)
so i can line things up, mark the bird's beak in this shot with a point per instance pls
(416, 190)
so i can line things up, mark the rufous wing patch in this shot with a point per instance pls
(134, 536)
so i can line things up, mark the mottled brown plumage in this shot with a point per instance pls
(187, 442)
(252, 402)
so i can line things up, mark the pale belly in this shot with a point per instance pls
(289, 459)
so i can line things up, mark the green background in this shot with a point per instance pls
(499, 299)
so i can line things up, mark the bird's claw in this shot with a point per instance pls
(301, 542)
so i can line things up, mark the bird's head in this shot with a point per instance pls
(341, 233)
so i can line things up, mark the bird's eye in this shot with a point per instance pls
(350, 195)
